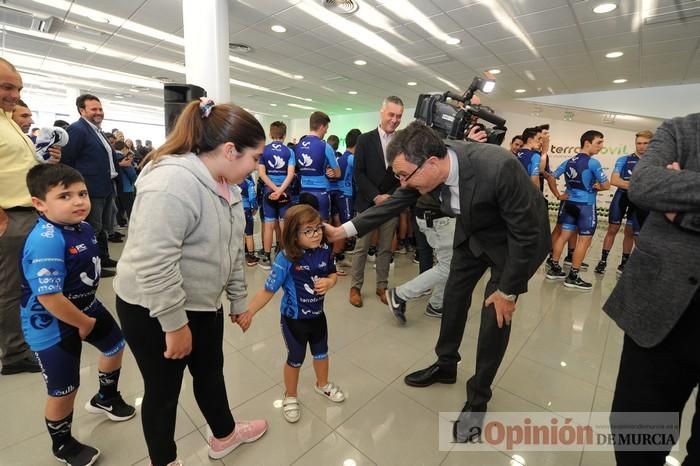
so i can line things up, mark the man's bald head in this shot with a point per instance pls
(10, 85)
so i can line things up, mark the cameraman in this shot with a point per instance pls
(501, 225)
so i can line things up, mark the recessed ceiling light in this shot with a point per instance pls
(494, 71)
(309, 100)
(239, 48)
(604, 8)
(118, 96)
(298, 76)
(352, 92)
(453, 41)
(360, 62)
(520, 91)
(620, 81)
(285, 116)
(77, 46)
(411, 83)
(279, 28)
(273, 105)
(348, 108)
(614, 55)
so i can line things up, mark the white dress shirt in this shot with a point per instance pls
(108, 148)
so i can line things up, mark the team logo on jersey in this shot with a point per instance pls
(97, 268)
(77, 249)
(299, 268)
(47, 273)
(572, 172)
(276, 146)
(305, 144)
(40, 321)
(306, 160)
(48, 230)
(279, 163)
(322, 265)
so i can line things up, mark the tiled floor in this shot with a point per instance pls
(563, 356)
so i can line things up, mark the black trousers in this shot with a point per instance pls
(661, 379)
(465, 272)
(162, 377)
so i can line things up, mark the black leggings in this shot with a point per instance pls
(163, 377)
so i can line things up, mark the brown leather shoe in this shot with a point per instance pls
(355, 297)
(381, 292)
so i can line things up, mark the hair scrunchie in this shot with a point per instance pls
(205, 106)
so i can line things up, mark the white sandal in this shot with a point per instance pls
(291, 409)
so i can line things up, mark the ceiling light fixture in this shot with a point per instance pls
(506, 20)
(278, 28)
(494, 71)
(604, 8)
(348, 108)
(273, 105)
(352, 92)
(99, 19)
(298, 76)
(619, 81)
(453, 41)
(77, 46)
(411, 83)
(614, 54)
(520, 91)
(360, 62)
(285, 116)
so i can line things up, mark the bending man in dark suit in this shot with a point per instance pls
(502, 225)
(657, 300)
(374, 183)
(89, 152)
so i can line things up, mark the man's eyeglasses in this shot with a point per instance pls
(405, 178)
(311, 232)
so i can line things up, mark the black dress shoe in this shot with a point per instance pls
(429, 376)
(468, 427)
(109, 263)
(114, 239)
(24, 365)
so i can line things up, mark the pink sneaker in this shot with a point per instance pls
(245, 432)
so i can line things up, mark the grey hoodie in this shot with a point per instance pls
(184, 247)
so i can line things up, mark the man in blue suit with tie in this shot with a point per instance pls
(89, 152)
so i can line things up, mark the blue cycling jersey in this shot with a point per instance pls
(56, 259)
(300, 301)
(624, 166)
(530, 160)
(313, 156)
(277, 158)
(580, 173)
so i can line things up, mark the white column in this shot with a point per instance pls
(206, 46)
(72, 93)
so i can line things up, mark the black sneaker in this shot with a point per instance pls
(265, 261)
(600, 268)
(430, 311)
(620, 269)
(415, 258)
(251, 260)
(575, 281)
(372, 254)
(555, 272)
(397, 306)
(568, 260)
(74, 453)
(116, 409)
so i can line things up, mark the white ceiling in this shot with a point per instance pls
(568, 42)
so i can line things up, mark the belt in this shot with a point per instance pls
(433, 214)
(19, 209)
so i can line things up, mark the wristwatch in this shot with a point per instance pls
(508, 297)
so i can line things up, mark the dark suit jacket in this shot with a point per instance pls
(661, 277)
(503, 216)
(371, 176)
(86, 153)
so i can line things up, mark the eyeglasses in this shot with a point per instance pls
(405, 178)
(311, 232)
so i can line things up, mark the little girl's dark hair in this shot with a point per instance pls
(294, 219)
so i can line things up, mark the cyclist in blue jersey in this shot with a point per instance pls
(584, 177)
(342, 194)
(276, 170)
(529, 154)
(250, 208)
(621, 207)
(305, 270)
(313, 155)
(61, 271)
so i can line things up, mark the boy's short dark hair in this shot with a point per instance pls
(589, 136)
(278, 130)
(333, 141)
(352, 137)
(41, 178)
(318, 119)
(530, 133)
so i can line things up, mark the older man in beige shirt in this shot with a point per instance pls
(17, 217)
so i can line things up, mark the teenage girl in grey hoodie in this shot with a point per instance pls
(184, 250)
